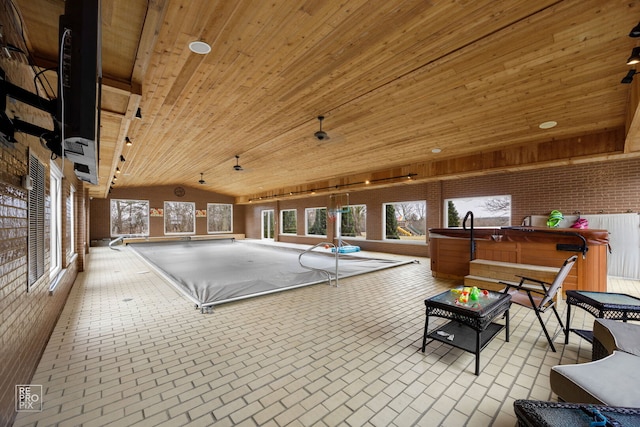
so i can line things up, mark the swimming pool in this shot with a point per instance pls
(210, 272)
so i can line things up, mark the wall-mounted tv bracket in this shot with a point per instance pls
(9, 126)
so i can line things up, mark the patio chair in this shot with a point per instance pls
(538, 295)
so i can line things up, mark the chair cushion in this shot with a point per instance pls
(611, 381)
(614, 335)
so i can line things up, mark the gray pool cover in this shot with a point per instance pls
(215, 271)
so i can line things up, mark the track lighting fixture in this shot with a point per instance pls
(629, 77)
(117, 169)
(635, 32)
(139, 114)
(635, 56)
(122, 159)
(313, 191)
(128, 141)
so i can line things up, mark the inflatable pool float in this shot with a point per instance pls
(346, 249)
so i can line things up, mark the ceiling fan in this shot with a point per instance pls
(321, 135)
(237, 167)
(202, 181)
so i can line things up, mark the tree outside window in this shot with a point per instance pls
(488, 211)
(453, 217)
(316, 221)
(354, 221)
(219, 218)
(405, 221)
(289, 221)
(179, 218)
(129, 217)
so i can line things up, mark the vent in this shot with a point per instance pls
(81, 168)
(74, 146)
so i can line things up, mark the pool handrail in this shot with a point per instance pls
(326, 245)
(113, 242)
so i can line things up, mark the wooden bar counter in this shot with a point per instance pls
(450, 251)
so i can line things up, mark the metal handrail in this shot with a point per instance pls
(113, 242)
(472, 242)
(328, 273)
(583, 248)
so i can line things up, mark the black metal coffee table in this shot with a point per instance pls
(604, 305)
(471, 327)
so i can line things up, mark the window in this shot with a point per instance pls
(36, 221)
(179, 218)
(129, 217)
(219, 218)
(488, 211)
(354, 222)
(55, 218)
(71, 214)
(315, 221)
(405, 221)
(288, 222)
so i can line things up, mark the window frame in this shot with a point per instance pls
(145, 233)
(468, 200)
(282, 221)
(71, 214)
(55, 219)
(422, 237)
(192, 217)
(350, 207)
(209, 216)
(306, 221)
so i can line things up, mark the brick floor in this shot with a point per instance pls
(129, 350)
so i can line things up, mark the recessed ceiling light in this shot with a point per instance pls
(200, 48)
(436, 150)
(548, 125)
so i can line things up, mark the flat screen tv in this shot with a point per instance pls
(79, 86)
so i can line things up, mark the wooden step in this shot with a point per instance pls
(483, 283)
(509, 271)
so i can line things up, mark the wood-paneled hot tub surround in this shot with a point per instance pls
(450, 251)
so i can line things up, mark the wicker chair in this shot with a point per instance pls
(538, 295)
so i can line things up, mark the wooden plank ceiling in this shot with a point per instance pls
(395, 81)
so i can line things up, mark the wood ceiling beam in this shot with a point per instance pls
(125, 124)
(109, 83)
(120, 87)
(632, 140)
(156, 10)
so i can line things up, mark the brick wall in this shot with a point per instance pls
(27, 318)
(593, 188)
(100, 218)
(373, 199)
(610, 187)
